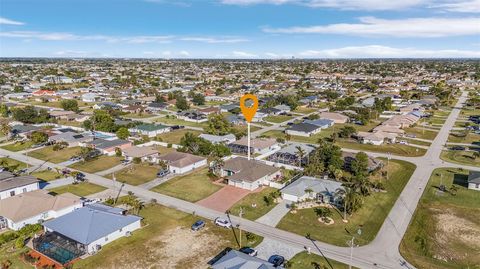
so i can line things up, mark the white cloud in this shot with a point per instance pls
(10, 22)
(243, 54)
(412, 27)
(166, 53)
(378, 51)
(466, 6)
(184, 53)
(71, 53)
(337, 4)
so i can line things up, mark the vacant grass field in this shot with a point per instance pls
(445, 229)
(18, 146)
(47, 175)
(138, 115)
(421, 133)
(305, 110)
(171, 121)
(252, 128)
(469, 112)
(81, 189)
(70, 123)
(470, 138)
(278, 118)
(48, 154)
(17, 165)
(98, 164)
(166, 241)
(261, 208)
(191, 187)
(54, 104)
(369, 217)
(395, 149)
(174, 137)
(416, 142)
(303, 260)
(136, 174)
(460, 157)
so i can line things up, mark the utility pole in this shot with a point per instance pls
(351, 243)
(240, 214)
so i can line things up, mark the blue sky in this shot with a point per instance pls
(240, 28)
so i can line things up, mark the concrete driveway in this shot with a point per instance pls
(223, 199)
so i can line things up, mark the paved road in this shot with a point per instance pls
(383, 251)
(274, 216)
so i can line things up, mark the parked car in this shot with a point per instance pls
(403, 142)
(457, 148)
(276, 260)
(223, 222)
(249, 251)
(198, 225)
(411, 135)
(163, 172)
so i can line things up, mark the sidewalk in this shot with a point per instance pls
(113, 169)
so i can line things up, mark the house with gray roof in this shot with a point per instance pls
(249, 174)
(217, 139)
(11, 185)
(303, 129)
(90, 228)
(322, 123)
(322, 190)
(474, 180)
(108, 147)
(237, 260)
(296, 154)
(73, 139)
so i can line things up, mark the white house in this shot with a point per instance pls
(92, 227)
(180, 162)
(150, 130)
(249, 174)
(321, 190)
(216, 139)
(36, 206)
(11, 185)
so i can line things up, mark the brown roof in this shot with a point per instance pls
(14, 182)
(30, 204)
(248, 170)
(180, 159)
(139, 152)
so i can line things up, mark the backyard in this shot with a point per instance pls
(191, 187)
(136, 174)
(81, 189)
(445, 229)
(98, 164)
(166, 241)
(258, 199)
(369, 217)
(58, 156)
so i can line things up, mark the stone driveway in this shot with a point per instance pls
(225, 198)
(274, 216)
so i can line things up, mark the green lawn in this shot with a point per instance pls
(413, 141)
(162, 150)
(98, 164)
(305, 110)
(460, 157)
(395, 149)
(303, 260)
(278, 119)
(171, 121)
(138, 115)
(468, 112)
(369, 217)
(166, 230)
(47, 175)
(70, 123)
(261, 208)
(174, 137)
(445, 229)
(136, 174)
(81, 189)
(421, 133)
(457, 138)
(48, 154)
(435, 121)
(17, 165)
(191, 187)
(55, 104)
(18, 146)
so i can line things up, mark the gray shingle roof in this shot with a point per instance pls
(298, 187)
(237, 260)
(90, 223)
(474, 177)
(303, 127)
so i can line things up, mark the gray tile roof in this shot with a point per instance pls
(237, 260)
(15, 182)
(298, 187)
(90, 223)
(303, 127)
(474, 177)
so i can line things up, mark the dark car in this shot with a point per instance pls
(199, 224)
(457, 148)
(249, 251)
(276, 260)
(163, 173)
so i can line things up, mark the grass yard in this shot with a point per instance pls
(81, 189)
(470, 138)
(166, 241)
(192, 187)
(138, 115)
(162, 150)
(17, 165)
(303, 260)
(55, 104)
(460, 157)
(175, 136)
(171, 121)
(136, 174)
(98, 164)
(469, 112)
(278, 119)
(252, 128)
(416, 142)
(47, 175)
(445, 229)
(395, 149)
(256, 198)
(370, 216)
(48, 154)
(70, 123)
(420, 133)
(435, 121)
(305, 110)
(18, 146)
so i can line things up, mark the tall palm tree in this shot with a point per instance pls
(301, 154)
(352, 200)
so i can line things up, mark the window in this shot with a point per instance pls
(12, 193)
(477, 185)
(24, 190)
(106, 239)
(121, 229)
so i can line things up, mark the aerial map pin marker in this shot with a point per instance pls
(248, 112)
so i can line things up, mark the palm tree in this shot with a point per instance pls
(301, 154)
(352, 201)
(218, 164)
(5, 129)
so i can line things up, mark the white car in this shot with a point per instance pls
(403, 142)
(223, 223)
